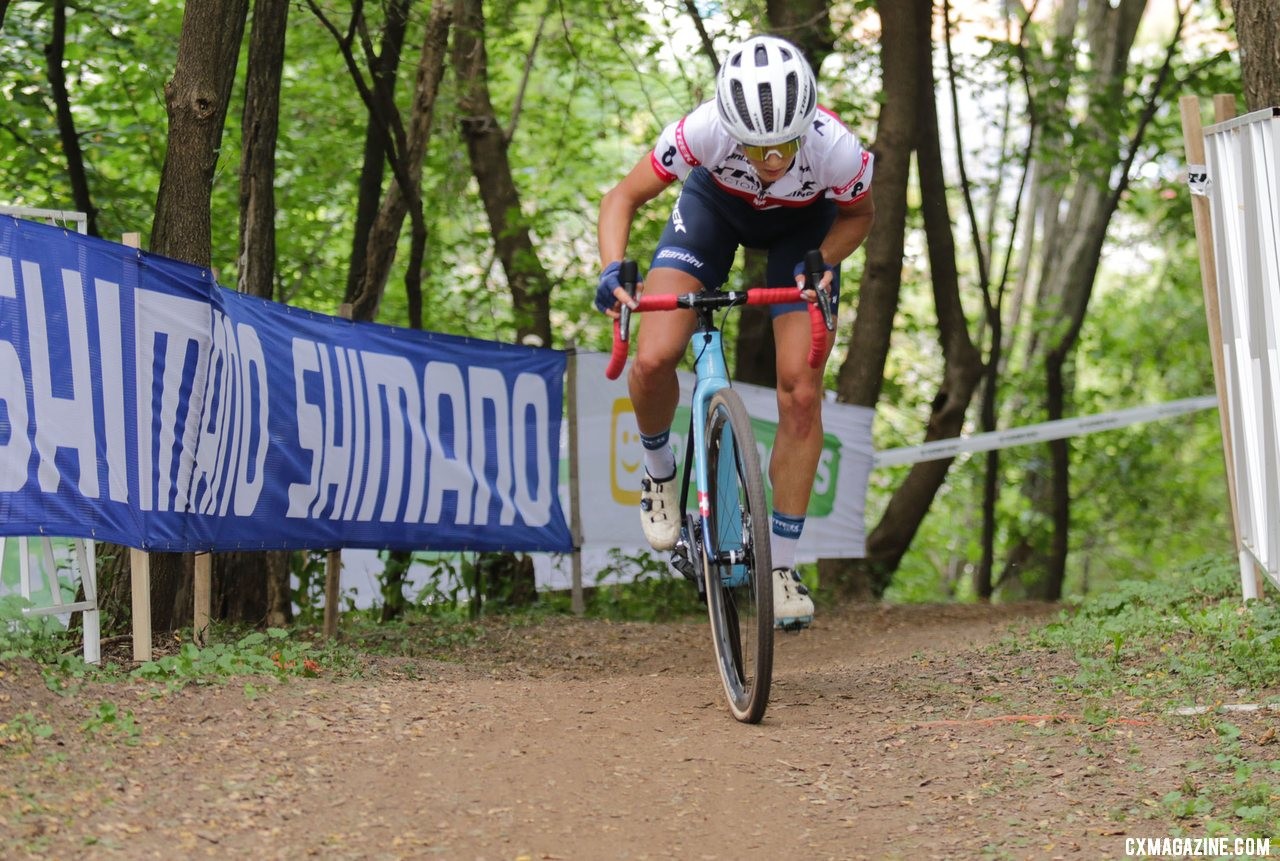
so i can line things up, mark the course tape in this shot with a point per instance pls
(1060, 429)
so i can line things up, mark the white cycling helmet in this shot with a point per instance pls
(766, 92)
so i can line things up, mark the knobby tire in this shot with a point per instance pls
(742, 615)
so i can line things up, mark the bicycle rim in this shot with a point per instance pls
(739, 594)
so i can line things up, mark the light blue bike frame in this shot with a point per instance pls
(712, 376)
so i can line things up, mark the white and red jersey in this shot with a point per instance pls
(830, 162)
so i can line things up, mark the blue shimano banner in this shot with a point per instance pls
(144, 404)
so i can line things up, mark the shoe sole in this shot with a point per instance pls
(797, 623)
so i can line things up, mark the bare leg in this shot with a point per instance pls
(660, 344)
(798, 444)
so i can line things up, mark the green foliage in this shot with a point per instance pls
(117, 60)
(1183, 639)
(583, 87)
(38, 638)
(22, 731)
(108, 718)
(647, 591)
(308, 571)
(275, 653)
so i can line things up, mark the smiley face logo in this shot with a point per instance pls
(625, 454)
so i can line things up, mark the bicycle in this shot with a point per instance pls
(728, 538)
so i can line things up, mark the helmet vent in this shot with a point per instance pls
(766, 106)
(793, 93)
(765, 92)
(740, 105)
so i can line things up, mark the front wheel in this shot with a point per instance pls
(736, 560)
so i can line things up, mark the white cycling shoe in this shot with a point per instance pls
(659, 514)
(792, 606)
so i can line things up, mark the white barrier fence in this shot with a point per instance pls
(1241, 179)
(43, 562)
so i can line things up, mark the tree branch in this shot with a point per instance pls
(528, 70)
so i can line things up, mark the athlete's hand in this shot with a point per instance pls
(610, 294)
(808, 291)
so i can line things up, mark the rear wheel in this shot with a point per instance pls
(736, 560)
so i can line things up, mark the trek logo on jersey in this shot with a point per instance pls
(686, 152)
(677, 219)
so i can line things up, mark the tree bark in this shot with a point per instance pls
(54, 53)
(197, 98)
(904, 23)
(383, 233)
(1258, 31)
(259, 128)
(254, 587)
(384, 73)
(487, 149)
(1071, 268)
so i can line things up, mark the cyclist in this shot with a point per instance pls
(763, 166)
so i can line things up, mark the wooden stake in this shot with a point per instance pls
(140, 582)
(332, 591)
(139, 560)
(577, 603)
(203, 599)
(1193, 136)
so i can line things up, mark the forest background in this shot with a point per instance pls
(438, 165)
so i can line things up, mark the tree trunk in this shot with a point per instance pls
(373, 168)
(197, 98)
(259, 130)
(1258, 31)
(53, 52)
(962, 362)
(383, 233)
(1071, 264)
(903, 26)
(755, 354)
(487, 149)
(247, 584)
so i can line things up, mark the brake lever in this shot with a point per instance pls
(628, 275)
(815, 267)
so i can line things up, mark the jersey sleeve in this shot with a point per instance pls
(687, 143)
(851, 167)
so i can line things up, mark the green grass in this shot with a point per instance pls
(1174, 642)
(1187, 640)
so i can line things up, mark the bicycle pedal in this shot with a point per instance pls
(681, 561)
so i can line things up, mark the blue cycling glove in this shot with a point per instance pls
(605, 300)
(799, 270)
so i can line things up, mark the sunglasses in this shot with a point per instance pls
(784, 150)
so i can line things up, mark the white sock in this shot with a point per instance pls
(659, 459)
(784, 535)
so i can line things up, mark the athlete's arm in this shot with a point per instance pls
(619, 206)
(850, 229)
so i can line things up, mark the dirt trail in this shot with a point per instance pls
(891, 734)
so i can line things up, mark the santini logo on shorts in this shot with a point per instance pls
(681, 255)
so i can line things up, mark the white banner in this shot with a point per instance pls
(609, 465)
